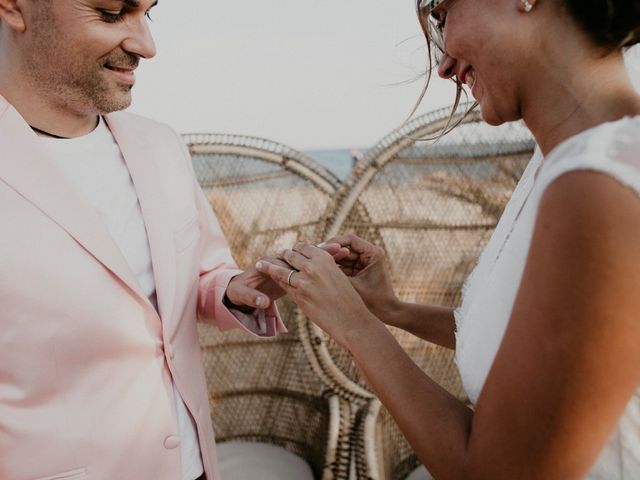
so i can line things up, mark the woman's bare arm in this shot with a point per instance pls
(430, 322)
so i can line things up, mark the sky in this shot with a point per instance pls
(310, 74)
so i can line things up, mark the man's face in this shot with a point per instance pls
(80, 54)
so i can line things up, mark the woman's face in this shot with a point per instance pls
(484, 52)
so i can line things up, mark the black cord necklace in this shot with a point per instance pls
(47, 133)
(52, 135)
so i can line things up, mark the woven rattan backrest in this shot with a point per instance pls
(265, 196)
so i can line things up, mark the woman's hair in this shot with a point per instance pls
(451, 124)
(611, 24)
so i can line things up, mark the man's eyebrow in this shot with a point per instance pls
(136, 3)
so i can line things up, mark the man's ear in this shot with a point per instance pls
(11, 14)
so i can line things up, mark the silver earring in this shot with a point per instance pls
(527, 6)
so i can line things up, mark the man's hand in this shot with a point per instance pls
(252, 289)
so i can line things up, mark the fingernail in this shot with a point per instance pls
(259, 265)
(260, 301)
(320, 245)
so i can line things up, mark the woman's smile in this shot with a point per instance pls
(468, 77)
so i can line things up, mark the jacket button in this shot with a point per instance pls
(171, 442)
(170, 351)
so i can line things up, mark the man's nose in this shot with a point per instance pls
(140, 41)
(447, 66)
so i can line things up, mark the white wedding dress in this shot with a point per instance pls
(489, 294)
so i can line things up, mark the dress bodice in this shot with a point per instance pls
(489, 293)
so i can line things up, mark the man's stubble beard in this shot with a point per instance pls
(65, 77)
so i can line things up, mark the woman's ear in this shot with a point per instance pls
(11, 14)
(525, 6)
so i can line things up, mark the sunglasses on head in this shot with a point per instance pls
(435, 27)
(430, 5)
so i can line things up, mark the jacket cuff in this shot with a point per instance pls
(261, 323)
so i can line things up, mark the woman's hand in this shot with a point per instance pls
(314, 282)
(365, 265)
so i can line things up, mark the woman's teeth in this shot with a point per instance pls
(470, 78)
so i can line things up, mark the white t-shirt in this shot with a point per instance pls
(96, 166)
(489, 294)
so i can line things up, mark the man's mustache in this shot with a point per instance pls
(122, 60)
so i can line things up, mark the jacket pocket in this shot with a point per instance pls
(77, 474)
(187, 234)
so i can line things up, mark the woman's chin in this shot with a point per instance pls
(489, 116)
(492, 116)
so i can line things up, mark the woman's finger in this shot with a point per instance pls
(347, 270)
(343, 240)
(332, 248)
(337, 251)
(282, 275)
(309, 251)
(295, 259)
(275, 260)
(350, 258)
(353, 242)
(341, 254)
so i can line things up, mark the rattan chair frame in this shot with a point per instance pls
(260, 148)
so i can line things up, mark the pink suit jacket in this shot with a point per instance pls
(86, 362)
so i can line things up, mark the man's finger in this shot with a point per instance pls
(243, 295)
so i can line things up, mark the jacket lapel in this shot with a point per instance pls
(26, 167)
(143, 157)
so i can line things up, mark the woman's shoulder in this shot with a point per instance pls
(611, 148)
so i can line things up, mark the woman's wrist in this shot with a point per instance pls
(359, 332)
(388, 311)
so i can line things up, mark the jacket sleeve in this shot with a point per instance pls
(216, 269)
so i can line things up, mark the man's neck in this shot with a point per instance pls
(44, 113)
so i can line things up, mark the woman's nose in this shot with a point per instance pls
(447, 66)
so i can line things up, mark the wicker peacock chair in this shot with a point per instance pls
(267, 196)
(432, 206)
